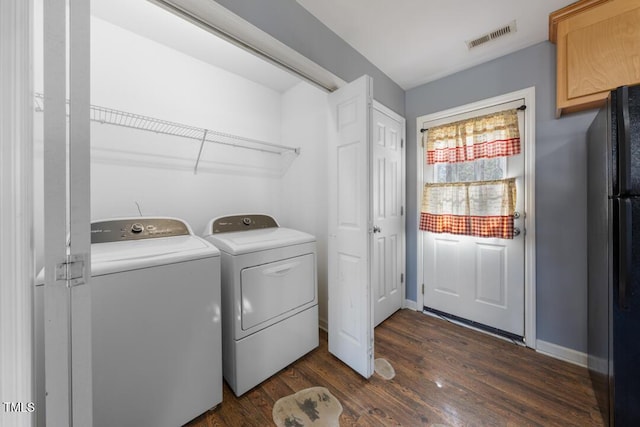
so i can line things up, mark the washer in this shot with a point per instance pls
(156, 325)
(269, 296)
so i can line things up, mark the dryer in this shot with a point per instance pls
(156, 324)
(269, 296)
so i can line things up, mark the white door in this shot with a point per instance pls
(67, 222)
(388, 212)
(478, 279)
(350, 299)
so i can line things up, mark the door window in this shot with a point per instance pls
(468, 194)
(477, 170)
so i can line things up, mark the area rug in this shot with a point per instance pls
(383, 368)
(314, 406)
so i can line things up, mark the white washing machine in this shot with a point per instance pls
(269, 296)
(156, 325)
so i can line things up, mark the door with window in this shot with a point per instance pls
(472, 217)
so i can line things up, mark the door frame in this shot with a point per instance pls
(67, 262)
(395, 116)
(528, 94)
(17, 266)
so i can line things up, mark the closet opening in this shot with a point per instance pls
(187, 125)
(152, 71)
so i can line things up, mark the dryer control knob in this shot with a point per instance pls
(137, 228)
(246, 221)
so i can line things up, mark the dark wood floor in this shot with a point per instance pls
(445, 374)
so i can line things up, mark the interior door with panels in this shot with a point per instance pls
(349, 159)
(388, 184)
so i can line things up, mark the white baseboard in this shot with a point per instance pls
(323, 324)
(411, 305)
(562, 353)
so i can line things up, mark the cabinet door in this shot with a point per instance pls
(597, 52)
(597, 55)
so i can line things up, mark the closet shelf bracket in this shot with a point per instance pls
(204, 139)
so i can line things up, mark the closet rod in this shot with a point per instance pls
(136, 121)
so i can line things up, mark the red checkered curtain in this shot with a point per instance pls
(492, 135)
(481, 208)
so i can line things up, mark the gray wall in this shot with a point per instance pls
(561, 270)
(290, 23)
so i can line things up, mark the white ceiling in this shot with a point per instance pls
(411, 41)
(150, 21)
(418, 41)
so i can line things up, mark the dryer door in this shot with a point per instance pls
(273, 291)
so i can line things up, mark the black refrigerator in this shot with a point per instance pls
(613, 221)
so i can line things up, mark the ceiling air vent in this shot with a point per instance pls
(498, 32)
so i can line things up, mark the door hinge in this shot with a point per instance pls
(72, 271)
(401, 210)
(401, 142)
(401, 277)
(423, 289)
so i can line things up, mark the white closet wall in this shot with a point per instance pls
(304, 186)
(137, 75)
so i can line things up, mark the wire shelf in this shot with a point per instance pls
(137, 121)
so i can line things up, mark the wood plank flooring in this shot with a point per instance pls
(445, 374)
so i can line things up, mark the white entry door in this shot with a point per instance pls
(350, 299)
(479, 279)
(388, 212)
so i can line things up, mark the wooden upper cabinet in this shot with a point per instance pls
(598, 49)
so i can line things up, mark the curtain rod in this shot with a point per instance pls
(520, 108)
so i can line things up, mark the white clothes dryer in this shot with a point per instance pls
(269, 296)
(156, 324)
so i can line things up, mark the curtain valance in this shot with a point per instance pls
(491, 135)
(482, 208)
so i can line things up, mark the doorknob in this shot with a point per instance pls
(516, 231)
(376, 229)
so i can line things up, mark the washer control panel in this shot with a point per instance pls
(242, 222)
(136, 229)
